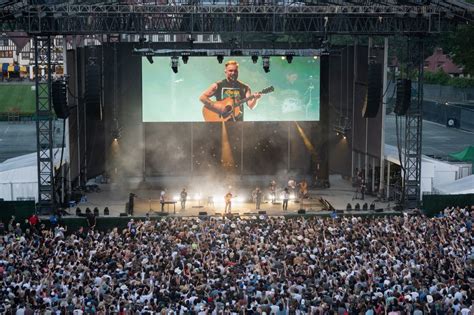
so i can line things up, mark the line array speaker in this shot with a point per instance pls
(92, 91)
(59, 95)
(374, 91)
(403, 100)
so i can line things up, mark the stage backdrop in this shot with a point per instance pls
(174, 97)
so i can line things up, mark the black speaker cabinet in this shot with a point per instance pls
(403, 100)
(374, 91)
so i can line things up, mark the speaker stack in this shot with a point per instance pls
(59, 95)
(92, 91)
(403, 100)
(374, 91)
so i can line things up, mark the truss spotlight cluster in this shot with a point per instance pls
(289, 57)
(341, 131)
(116, 134)
(174, 64)
(266, 64)
(254, 58)
(220, 58)
(185, 59)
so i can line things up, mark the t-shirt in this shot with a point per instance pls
(235, 90)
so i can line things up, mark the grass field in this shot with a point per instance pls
(17, 97)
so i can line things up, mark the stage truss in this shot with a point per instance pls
(315, 19)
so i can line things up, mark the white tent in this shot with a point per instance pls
(19, 176)
(434, 173)
(461, 186)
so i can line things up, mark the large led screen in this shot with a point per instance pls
(290, 91)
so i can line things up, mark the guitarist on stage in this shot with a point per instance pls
(229, 87)
(228, 203)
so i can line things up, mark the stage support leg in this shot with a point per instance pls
(44, 124)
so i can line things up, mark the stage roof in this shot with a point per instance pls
(240, 17)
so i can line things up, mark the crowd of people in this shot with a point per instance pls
(260, 265)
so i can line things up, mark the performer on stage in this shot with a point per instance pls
(258, 198)
(286, 196)
(303, 189)
(362, 188)
(162, 200)
(228, 202)
(183, 197)
(131, 203)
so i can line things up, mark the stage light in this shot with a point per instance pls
(266, 64)
(174, 64)
(254, 58)
(185, 59)
(315, 57)
(289, 56)
(220, 58)
(150, 59)
(116, 134)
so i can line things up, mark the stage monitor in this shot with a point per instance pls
(290, 91)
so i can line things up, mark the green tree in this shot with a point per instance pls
(460, 45)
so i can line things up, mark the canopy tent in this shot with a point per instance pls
(19, 176)
(461, 186)
(466, 155)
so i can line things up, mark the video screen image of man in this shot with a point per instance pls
(230, 95)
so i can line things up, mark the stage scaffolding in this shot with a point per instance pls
(314, 19)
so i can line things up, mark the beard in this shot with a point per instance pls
(233, 77)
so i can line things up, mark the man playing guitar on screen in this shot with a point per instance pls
(232, 88)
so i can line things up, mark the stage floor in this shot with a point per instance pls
(147, 201)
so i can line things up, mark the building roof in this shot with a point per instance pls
(439, 60)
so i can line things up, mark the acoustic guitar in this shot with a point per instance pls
(229, 108)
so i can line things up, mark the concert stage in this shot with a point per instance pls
(147, 202)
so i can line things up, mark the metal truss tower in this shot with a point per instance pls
(44, 124)
(413, 133)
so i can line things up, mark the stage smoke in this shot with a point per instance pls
(227, 159)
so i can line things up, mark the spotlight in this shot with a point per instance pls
(174, 64)
(150, 59)
(220, 58)
(266, 64)
(289, 58)
(116, 134)
(254, 58)
(185, 59)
